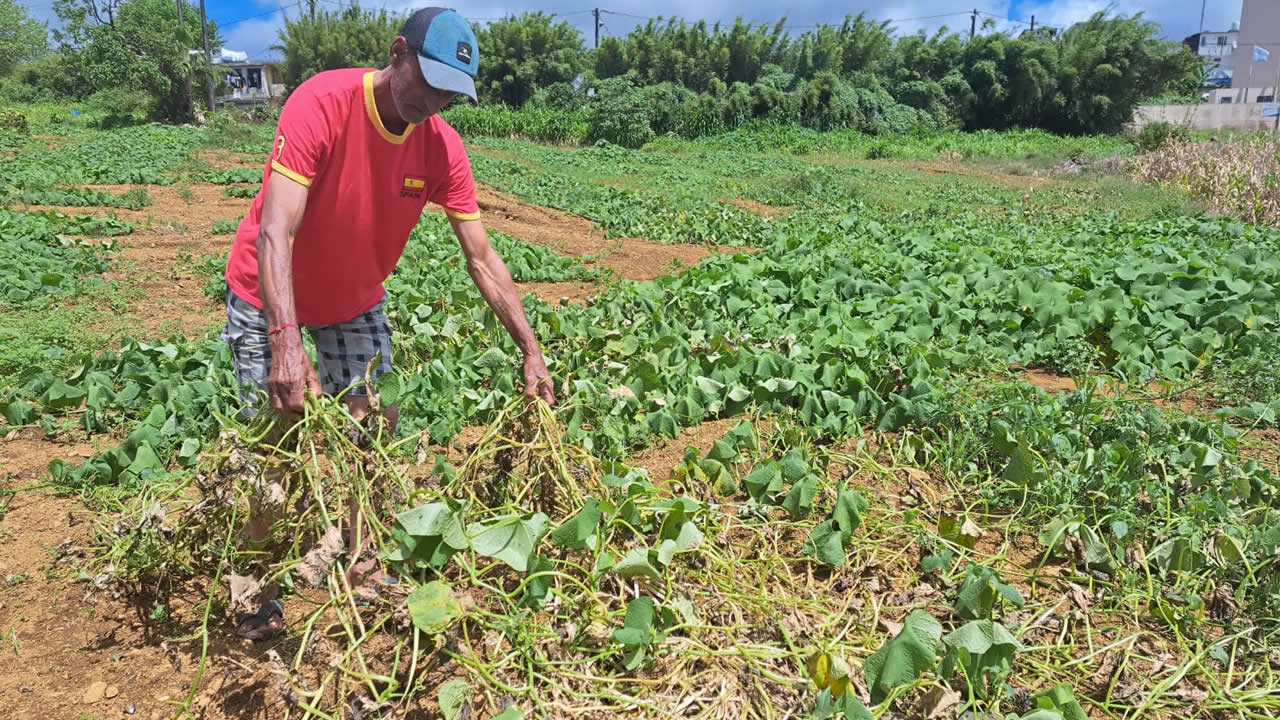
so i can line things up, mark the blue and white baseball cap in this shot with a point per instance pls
(446, 48)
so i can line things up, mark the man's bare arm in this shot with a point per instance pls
(493, 280)
(291, 371)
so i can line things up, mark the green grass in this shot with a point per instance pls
(833, 181)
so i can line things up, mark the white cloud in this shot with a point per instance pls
(255, 36)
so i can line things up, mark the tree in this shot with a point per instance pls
(1109, 65)
(520, 54)
(351, 37)
(133, 44)
(610, 59)
(21, 37)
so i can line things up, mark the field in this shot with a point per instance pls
(917, 427)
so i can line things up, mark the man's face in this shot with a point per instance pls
(415, 100)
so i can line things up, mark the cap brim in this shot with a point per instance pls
(445, 77)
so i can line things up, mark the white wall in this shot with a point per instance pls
(1206, 117)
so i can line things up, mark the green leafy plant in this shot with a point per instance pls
(983, 651)
(639, 632)
(980, 590)
(829, 541)
(905, 656)
(225, 227)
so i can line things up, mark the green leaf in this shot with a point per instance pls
(763, 481)
(19, 412)
(61, 396)
(442, 520)
(511, 713)
(984, 650)
(826, 544)
(452, 696)
(433, 608)
(389, 388)
(1062, 700)
(904, 657)
(793, 465)
(637, 631)
(639, 562)
(491, 359)
(189, 453)
(799, 500)
(849, 508)
(513, 540)
(679, 527)
(979, 590)
(144, 460)
(576, 532)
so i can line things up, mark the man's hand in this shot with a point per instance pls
(292, 375)
(537, 381)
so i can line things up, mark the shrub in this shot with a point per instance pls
(558, 96)
(1154, 135)
(13, 120)
(619, 114)
(118, 106)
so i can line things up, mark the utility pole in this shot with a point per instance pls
(312, 5)
(973, 23)
(1202, 4)
(596, 13)
(180, 4)
(208, 57)
(1033, 24)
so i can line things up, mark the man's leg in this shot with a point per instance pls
(345, 351)
(246, 334)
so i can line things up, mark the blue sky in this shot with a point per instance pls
(251, 25)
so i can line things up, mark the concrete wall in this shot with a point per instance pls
(1259, 25)
(1206, 117)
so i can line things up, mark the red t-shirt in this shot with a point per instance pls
(367, 189)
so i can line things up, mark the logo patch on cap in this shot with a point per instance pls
(464, 53)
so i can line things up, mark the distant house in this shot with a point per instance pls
(1216, 50)
(245, 81)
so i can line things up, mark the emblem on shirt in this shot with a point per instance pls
(413, 187)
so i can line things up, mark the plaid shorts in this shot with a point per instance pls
(344, 350)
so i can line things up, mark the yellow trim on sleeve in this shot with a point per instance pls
(461, 216)
(299, 178)
(371, 109)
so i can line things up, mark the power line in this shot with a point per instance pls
(273, 11)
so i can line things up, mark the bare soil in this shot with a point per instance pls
(157, 258)
(630, 258)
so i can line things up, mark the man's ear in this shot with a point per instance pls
(399, 48)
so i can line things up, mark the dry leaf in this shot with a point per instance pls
(244, 593)
(890, 627)
(939, 702)
(315, 565)
(915, 473)
(1192, 695)
(1079, 596)
(970, 529)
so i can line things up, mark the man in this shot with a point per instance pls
(357, 155)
